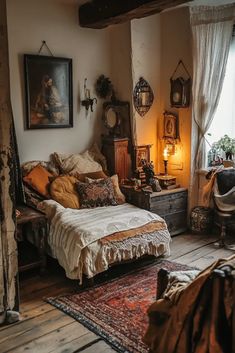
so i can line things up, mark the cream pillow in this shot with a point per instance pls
(76, 163)
(119, 197)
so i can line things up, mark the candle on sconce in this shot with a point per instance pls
(165, 154)
(87, 94)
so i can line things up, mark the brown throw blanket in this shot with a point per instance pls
(150, 227)
(199, 320)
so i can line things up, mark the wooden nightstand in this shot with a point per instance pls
(32, 225)
(169, 204)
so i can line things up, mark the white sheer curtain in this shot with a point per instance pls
(212, 33)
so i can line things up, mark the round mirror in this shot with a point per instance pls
(111, 118)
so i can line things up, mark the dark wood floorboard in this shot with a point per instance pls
(44, 329)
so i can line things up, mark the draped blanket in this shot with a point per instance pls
(80, 239)
(197, 317)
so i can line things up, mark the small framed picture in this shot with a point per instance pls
(48, 83)
(170, 126)
(141, 153)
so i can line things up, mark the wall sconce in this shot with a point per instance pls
(143, 96)
(88, 101)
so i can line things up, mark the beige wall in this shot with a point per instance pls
(30, 22)
(146, 61)
(175, 45)
(148, 47)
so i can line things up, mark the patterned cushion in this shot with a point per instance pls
(32, 197)
(63, 190)
(28, 166)
(96, 194)
(119, 197)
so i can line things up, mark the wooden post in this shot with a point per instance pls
(8, 247)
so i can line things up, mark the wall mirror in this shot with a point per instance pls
(116, 117)
(143, 97)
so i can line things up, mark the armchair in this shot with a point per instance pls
(224, 200)
(198, 315)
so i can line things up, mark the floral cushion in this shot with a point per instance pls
(96, 194)
(28, 166)
(119, 197)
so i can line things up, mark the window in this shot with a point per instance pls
(224, 119)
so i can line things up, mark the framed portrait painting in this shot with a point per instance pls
(170, 126)
(48, 87)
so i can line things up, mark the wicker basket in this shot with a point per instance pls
(201, 220)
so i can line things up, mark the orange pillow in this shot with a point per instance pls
(62, 190)
(38, 179)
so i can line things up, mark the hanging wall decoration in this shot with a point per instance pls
(143, 97)
(180, 89)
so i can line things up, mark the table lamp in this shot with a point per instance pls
(165, 160)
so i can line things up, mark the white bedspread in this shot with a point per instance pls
(74, 233)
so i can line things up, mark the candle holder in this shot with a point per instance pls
(88, 101)
(165, 167)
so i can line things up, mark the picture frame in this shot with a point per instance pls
(170, 129)
(140, 153)
(48, 92)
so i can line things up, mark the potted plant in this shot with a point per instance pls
(226, 144)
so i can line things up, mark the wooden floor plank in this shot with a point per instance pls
(68, 338)
(44, 329)
(30, 330)
(99, 347)
(207, 260)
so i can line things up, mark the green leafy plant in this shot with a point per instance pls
(226, 144)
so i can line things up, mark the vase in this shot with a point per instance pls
(229, 155)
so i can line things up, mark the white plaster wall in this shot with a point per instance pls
(146, 62)
(56, 21)
(176, 45)
(121, 66)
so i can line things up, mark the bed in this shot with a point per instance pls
(86, 241)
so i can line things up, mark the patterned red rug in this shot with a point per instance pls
(116, 310)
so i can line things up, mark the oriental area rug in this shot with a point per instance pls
(117, 310)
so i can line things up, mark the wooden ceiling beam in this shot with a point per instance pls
(102, 13)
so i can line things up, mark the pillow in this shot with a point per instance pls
(28, 166)
(38, 179)
(94, 151)
(119, 197)
(63, 190)
(93, 176)
(96, 194)
(76, 163)
(32, 197)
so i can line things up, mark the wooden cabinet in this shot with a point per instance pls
(118, 159)
(169, 204)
